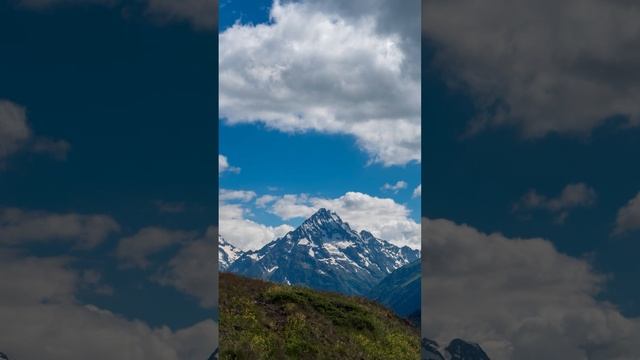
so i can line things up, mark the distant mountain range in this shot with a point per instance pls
(323, 253)
(227, 254)
(456, 350)
(401, 290)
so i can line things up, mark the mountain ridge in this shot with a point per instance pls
(457, 349)
(400, 290)
(325, 253)
(227, 253)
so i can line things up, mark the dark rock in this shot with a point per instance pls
(430, 350)
(463, 350)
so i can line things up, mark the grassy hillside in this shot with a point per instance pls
(261, 320)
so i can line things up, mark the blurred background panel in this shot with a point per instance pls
(530, 207)
(108, 187)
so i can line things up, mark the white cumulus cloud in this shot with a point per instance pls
(321, 68)
(238, 229)
(223, 166)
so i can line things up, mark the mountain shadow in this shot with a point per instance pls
(401, 291)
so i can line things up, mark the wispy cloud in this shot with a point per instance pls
(240, 195)
(201, 14)
(84, 231)
(572, 196)
(265, 200)
(170, 207)
(628, 218)
(135, 250)
(223, 166)
(417, 192)
(16, 135)
(399, 185)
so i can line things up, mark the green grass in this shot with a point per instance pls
(261, 320)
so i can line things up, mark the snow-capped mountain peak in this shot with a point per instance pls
(324, 252)
(325, 225)
(227, 253)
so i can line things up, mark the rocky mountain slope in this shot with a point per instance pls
(456, 350)
(400, 290)
(326, 254)
(227, 254)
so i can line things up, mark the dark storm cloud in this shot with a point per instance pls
(541, 66)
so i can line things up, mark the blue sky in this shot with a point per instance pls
(316, 164)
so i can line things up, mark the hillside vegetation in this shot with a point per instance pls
(262, 320)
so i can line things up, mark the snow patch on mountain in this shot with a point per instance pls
(326, 254)
(227, 254)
